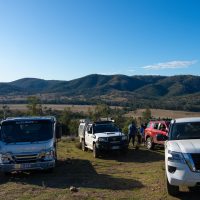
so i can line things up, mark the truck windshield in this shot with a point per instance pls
(187, 130)
(102, 128)
(26, 131)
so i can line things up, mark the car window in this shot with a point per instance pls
(187, 130)
(162, 127)
(156, 125)
(149, 125)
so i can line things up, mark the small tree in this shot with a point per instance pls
(146, 115)
(102, 110)
(6, 111)
(34, 106)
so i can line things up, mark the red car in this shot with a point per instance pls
(154, 128)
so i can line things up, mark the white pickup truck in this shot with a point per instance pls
(182, 154)
(101, 136)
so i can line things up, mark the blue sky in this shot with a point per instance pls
(68, 39)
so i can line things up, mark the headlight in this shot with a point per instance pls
(101, 139)
(5, 158)
(124, 137)
(49, 155)
(175, 157)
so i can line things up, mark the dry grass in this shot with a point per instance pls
(137, 175)
(164, 113)
(84, 108)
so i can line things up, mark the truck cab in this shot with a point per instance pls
(28, 143)
(101, 136)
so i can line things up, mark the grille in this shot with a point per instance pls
(25, 158)
(115, 139)
(196, 160)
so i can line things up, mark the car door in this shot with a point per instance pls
(155, 131)
(89, 137)
(161, 130)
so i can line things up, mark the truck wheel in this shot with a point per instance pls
(149, 143)
(95, 151)
(50, 170)
(83, 145)
(172, 190)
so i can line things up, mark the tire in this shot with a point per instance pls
(50, 170)
(172, 190)
(7, 174)
(124, 151)
(149, 143)
(83, 145)
(193, 189)
(95, 151)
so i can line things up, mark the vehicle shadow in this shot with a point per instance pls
(141, 155)
(75, 172)
(189, 195)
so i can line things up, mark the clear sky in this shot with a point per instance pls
(68, 39)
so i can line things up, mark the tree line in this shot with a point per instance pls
(70, 120)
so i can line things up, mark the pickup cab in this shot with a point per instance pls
(154, 128)
(102, 136)
(182, 154)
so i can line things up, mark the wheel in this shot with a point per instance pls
(50, 170)
(124, 150)
(193, 189)
(172, 190)
(149, 143)
(83, 145)
(7, 173)
(95, 151)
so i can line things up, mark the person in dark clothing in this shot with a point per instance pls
(132, 131)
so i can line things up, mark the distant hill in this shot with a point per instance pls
(157, 91)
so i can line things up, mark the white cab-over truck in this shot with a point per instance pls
(182, 154)
(101, 136)
(28, 143)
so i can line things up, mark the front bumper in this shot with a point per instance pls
(183, 175)
(27, 166)
(108, 146)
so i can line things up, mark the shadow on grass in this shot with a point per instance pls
(78, 173)
(141, 155)
(189, 195)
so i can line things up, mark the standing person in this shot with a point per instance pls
(142, 128)
(132, 131)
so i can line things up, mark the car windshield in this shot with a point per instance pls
(102, 128)
(26, 131)
(187, 130)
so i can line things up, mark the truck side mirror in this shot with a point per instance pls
(58, 131)
(90, 130)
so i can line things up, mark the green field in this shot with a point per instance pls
(137, 175)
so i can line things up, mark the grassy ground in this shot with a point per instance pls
(136, 175)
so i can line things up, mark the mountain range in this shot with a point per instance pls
(178, 92)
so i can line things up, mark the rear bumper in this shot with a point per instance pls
(27, 166)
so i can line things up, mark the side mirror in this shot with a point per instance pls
(58, 131)
(90, 130)
(160, 137)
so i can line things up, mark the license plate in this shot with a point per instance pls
(17, 166)
(23, 166)
(115, 147)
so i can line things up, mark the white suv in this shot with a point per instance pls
(182, 154)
